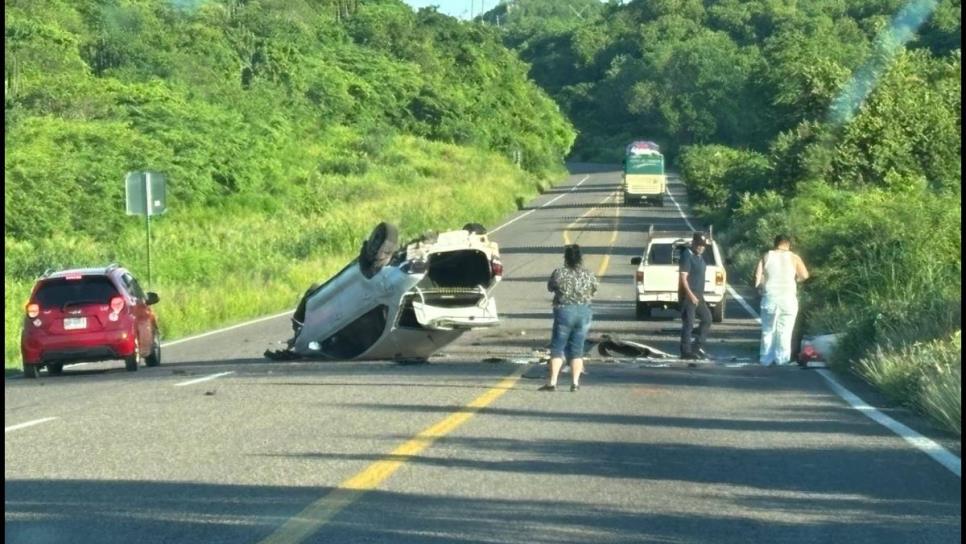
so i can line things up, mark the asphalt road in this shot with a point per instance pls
(462, 450)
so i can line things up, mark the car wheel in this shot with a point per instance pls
(131, 361)
(30, 371)
(382, 242)
(642, 310)
(55, 369)
(475, 228)
(718, 312)
(154, 358)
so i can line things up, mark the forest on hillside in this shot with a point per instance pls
(837, 121)
(286, 130)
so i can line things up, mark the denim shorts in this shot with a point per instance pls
(570, 326)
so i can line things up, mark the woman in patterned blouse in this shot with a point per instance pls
(573, 286)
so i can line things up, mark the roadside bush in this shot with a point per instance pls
(753, 226)
(718, 176)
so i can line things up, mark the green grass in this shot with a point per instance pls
(926, 377)
(256, 254)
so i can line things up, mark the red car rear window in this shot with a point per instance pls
(59, 292)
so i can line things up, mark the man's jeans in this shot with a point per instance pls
(688, 311)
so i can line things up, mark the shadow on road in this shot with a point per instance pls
(147, 512)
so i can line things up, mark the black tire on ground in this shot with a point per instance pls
(55, 369)
(475, 228)
(30, 371)
(154, 358)
(131, 361)
(642, 310)
(718, 312)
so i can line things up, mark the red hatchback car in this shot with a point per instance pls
(89, 314)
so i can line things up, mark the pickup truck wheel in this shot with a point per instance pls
(718, 312)
(30, 371)
(642, 310)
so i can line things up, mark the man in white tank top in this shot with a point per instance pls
(777, 278)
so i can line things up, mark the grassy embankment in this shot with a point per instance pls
(255, 255)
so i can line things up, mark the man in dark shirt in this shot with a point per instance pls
(691, 296)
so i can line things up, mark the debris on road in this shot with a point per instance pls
(654, 365)
(610, 347)
(816, 350)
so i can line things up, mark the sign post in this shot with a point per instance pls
(144, 194)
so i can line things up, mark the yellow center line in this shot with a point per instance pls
(613, 237)
(317, 514)
(566, 231)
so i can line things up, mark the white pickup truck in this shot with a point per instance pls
(657, 280)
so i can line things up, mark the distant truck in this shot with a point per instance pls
(644, 173)
(657, 280)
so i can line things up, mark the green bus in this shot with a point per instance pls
(644, 178)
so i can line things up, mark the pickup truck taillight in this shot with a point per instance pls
(719, 277)
(639, 276)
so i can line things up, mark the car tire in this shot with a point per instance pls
(383, 239)
(131, 361)
(475, 228)
(642, 310)
(30, 371)
(154, 358)
(55, 369)
(718, 312)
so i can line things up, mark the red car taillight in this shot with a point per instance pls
(496, 267)
(33, 310)
(117, 304)
(808, 353)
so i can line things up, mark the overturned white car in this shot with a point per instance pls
(400, 304)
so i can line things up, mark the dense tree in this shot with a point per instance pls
(218, 94)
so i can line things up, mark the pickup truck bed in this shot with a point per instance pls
(657, 280)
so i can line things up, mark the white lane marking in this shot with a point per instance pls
(566, 237)
(929, 447)
(545, 204)
(209, 333)
(226, 329)
(28, 424)
(734, 294)
(680, 211)
(744, 304)
(206, 378)
(943, 456)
